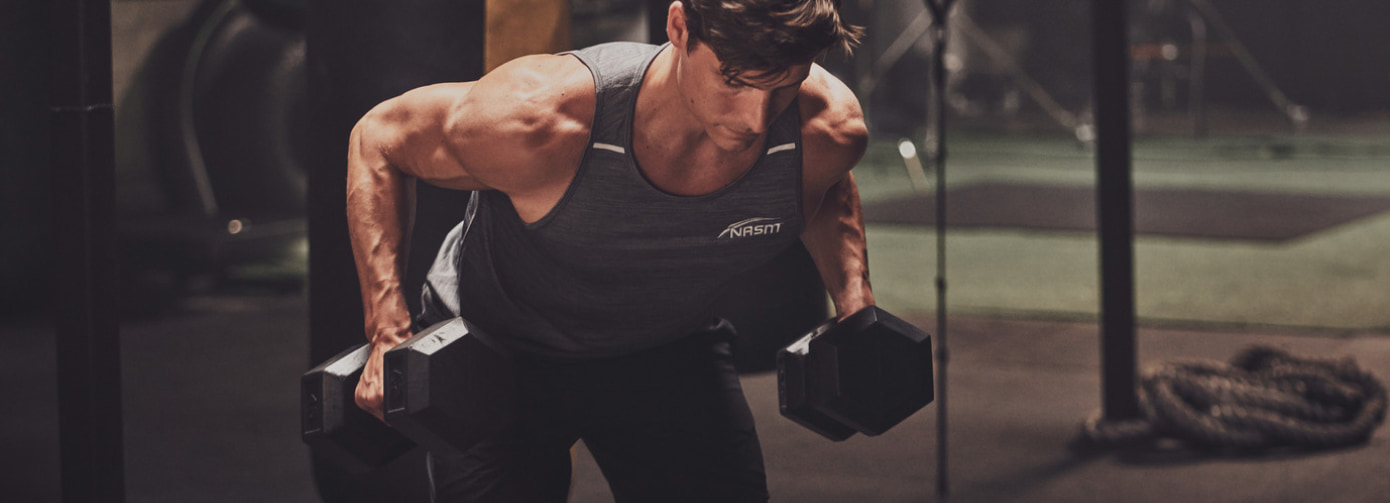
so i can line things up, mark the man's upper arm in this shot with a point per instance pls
(489, 134)
(407, 133)
(835, 137)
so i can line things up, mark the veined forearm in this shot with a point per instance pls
(835, 238)
(380, 207)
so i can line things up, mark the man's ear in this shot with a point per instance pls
(676, 30)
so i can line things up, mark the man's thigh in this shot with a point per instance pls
(681, 432)
(529, 461)
(500, 472)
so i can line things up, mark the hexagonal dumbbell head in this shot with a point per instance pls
(873, 371)
(447, 388)
(794, 384)
(332, 423)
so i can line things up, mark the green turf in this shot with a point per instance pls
(1337, 278)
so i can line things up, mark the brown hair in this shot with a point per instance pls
(764, 38)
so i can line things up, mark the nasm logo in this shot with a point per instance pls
(752, 227)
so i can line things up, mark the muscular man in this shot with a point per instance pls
(619, 187)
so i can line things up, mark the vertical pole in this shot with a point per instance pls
(939, 157)
(1114, 205)
(82, 160)
(940, 11)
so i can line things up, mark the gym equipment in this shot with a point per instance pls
(213, 123)
(1264, 397)
(447, 387)
(794, 384)
(866, 373)
(210, 176)
(335, 426)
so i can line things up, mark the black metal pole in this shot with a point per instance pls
(82, 159)
(942, 352)
(939, 161)
(1115, 209)
(940, 11)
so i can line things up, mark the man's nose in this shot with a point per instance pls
(753, 111)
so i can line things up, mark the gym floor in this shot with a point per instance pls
(210, 387)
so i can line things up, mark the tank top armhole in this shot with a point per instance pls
(583, 158)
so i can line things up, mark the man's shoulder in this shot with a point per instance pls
(536, 85)
(525, 122)
(832, 121)
(625, 52)
(536, 100)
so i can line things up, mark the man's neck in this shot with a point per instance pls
(668, 139)
(660, 111)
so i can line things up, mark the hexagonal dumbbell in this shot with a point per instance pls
(332, 423)
(449, 387)
(875, 368)
(794, 384)
(866, 373)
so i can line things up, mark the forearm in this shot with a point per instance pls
(835, 238)
(380, 207)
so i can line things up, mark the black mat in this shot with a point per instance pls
(1205, 214)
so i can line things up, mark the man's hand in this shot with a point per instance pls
(371, 388)
(847, 307)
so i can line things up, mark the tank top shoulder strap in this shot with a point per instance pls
(618, 69)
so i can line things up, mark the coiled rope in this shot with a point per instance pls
(1264, 397)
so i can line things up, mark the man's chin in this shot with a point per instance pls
(735, 143)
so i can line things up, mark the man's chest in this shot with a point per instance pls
(691, 170)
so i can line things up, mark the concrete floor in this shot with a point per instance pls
(1018, 393)
(211, 407)
(211, 415)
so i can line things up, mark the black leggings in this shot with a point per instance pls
(668, 424)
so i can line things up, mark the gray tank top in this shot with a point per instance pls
(618, 265)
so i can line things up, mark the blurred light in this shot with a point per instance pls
(915, 172)
(1086, 133)
(235, 226)
(907, 149)
(1297, 113)
(1169, 52)
(953, 63)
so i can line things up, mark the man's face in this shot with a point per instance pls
(734, 114)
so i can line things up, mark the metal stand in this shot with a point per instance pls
(1297, 114)
(926, 22)
(1206, 22)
